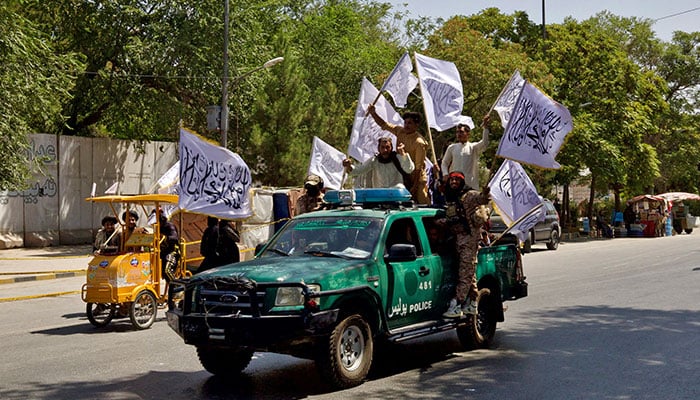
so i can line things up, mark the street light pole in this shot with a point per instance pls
(224, 83)
(223, 120)
(224, 91)
(544, 30)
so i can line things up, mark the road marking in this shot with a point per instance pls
(37, 296)
(43, 272)
(42, 276)
(41, 257)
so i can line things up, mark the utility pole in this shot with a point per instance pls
(224, 83)
(544, 31)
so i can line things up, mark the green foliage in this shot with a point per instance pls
(34, 82)
(612, 100)
(484, 68)
(133, 69)
(314, 92)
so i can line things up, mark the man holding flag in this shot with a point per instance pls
(464, 155)
(415, 146)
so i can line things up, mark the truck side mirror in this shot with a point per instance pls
(401, 252)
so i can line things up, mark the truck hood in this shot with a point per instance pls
(288, 269)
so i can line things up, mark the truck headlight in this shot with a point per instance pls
(292, 296)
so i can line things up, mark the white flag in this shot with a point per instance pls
(521, 228)
(327, 162)
(169, 179)
(536, 130)
(112, 189)
(509, 96)
(401, 81)
(365, 133)
(513, 192)
(441, 88)
(213, 180)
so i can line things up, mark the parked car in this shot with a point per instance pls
(547, 231)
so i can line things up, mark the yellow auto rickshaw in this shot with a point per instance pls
(128, 280)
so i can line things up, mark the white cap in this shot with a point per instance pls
(465, 120)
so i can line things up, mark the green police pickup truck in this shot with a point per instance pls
(332, 284)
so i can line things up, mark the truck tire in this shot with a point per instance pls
(224, 361)
(479, 330)
(143, 310)
(100, 314)
(345, 359)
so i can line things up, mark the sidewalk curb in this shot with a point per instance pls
(37, 296)
(40, 276)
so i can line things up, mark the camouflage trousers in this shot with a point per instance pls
(467, 249)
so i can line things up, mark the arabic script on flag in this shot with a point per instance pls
(213, 180)
(536, 130)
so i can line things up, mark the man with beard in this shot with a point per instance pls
(465, 215)
(386, 169)
(415, 146)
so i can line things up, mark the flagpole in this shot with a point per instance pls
(427, 124)
(502, 90)
(506, 127)
(527, 214)
(493, 164)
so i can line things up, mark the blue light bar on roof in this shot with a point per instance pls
(362, 196)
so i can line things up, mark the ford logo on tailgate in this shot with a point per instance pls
(228, 298)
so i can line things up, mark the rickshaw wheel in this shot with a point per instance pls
(100, 314)
(143, 310)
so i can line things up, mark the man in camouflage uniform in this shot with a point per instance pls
(465, 214)
(312, 199)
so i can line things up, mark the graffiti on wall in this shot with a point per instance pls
(44, 154)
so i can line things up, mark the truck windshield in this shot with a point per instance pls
(346, 237)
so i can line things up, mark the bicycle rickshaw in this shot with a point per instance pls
(128, 280)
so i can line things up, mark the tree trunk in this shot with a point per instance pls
(565, 207)
(589, 211)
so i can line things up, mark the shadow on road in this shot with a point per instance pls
(575, 346)
(118, 324)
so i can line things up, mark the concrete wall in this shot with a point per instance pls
(53, 210)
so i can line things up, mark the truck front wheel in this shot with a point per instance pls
(345, 359)
(223, 361)
(479, 330)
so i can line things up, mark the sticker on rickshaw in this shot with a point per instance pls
(134, 262)
(104, 263)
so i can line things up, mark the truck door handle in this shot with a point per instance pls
(423, 271)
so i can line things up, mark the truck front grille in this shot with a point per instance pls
(230, 297)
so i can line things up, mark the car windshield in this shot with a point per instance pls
(344, 237)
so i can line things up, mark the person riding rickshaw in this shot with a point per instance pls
(129, 280)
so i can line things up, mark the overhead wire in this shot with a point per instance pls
(676, 14)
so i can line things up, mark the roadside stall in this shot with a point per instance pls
(683, 221)
(650, 212)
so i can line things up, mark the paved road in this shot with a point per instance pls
(613, 319)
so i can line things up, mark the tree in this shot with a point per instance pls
(149, 64)
(34, 82)
(328, 48)
(482, 48)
